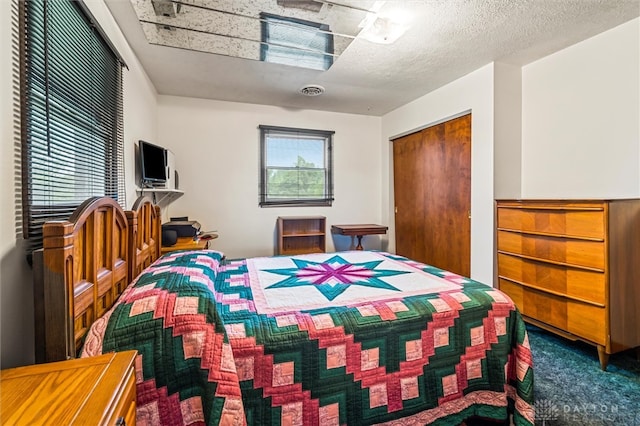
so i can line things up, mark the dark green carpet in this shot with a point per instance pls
(571, 389)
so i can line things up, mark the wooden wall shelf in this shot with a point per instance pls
(161, 197)
(301, 235)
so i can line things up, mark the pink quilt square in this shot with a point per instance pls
(292, 414)
(409, 388)
(474, 369)
(368, 311)
(378, 395)
(140, 306)
(186, 306)
(477, 335)
(414, 350)
(323, 321)
(245, 368)
(191, 410)
(397, 306)
(192, 344)
(369, 359)
(440, 305)
(286, 320)
(283, 373)
(450, 384)
(336, 356)
(440, 337)
(329, 415)
(236, 330)
(501, 325)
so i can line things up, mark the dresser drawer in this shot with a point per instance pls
(126, 403)
(581, 319)
(587, 253)
(575, 283)
(588, 222)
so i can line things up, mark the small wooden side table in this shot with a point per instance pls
(188, 243)
(359, 231)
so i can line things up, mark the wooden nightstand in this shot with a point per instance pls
(188, 243)
(98, 390)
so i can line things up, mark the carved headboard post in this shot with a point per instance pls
(132, 225)
(157, 230)
(144, 235)
(57, 268)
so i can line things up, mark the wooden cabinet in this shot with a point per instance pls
(573, 267)
(87, 391)
(301, 235)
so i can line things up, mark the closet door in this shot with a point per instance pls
(432, 185)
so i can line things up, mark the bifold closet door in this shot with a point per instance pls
(432, 186)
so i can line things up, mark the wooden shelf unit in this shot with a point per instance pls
(301, 235)
(571, 267)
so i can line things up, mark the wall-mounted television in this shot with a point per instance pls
(153, 164)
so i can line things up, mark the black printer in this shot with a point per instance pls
(175, 229)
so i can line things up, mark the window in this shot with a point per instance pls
(296, 167)
(296, 42)
(72, 136)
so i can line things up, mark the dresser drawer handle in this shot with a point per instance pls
(121, 421)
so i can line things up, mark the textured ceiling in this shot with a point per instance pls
(446, 39)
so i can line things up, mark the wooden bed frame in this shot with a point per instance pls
(85, 264)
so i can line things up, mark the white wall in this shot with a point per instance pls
(581, 119)
(474, 93)
(140, 116)
(217, 153)
(507, 121)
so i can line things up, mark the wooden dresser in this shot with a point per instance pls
(573, 267)
(87, 391)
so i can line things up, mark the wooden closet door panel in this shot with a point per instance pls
(409, 195)
(432, 175)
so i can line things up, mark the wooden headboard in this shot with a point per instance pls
(85, 264)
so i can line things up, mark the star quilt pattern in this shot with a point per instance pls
(323, 339)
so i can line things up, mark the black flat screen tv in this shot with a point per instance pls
(153, 163)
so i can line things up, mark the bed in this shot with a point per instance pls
(354, 337)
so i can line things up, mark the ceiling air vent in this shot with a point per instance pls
(312, 90)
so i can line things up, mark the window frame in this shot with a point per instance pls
(328, 196)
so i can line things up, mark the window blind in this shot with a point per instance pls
(72, 114)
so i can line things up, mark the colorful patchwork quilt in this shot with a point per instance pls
(353, 338)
